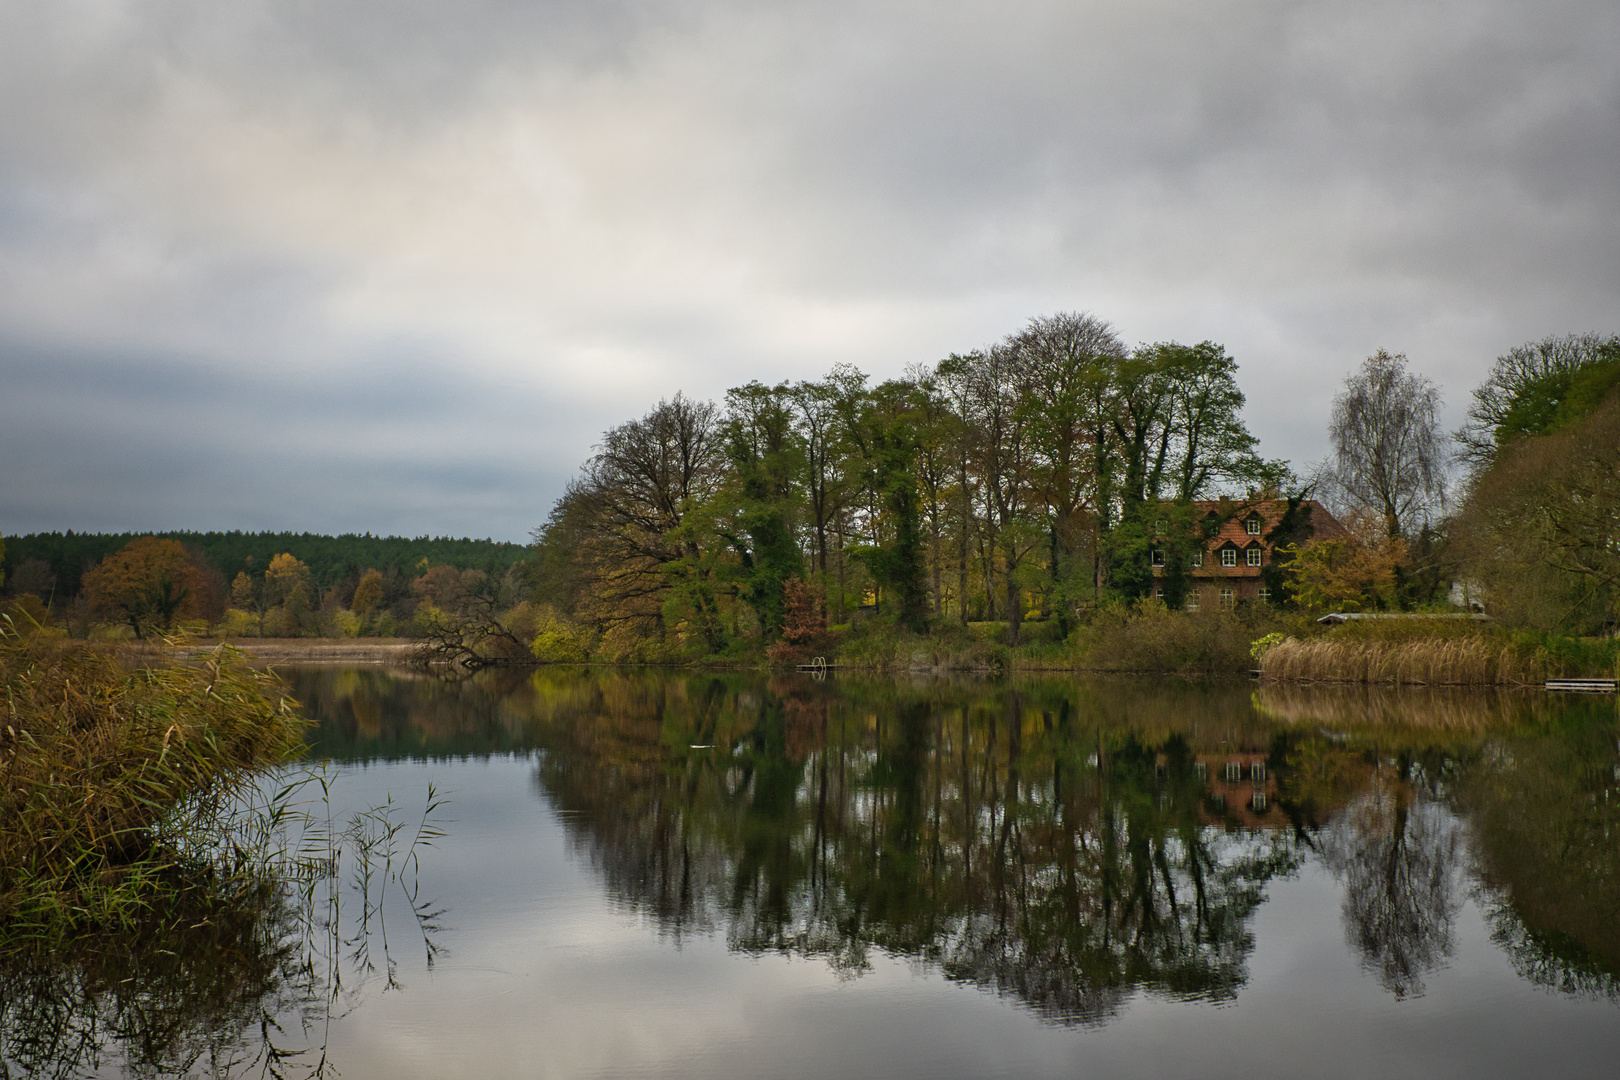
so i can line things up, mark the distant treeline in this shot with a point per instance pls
(65, 556)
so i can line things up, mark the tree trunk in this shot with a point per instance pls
(1015, 602)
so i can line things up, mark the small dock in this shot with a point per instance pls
(1580, 686)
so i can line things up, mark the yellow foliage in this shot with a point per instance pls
(556, 641)
(1348, 574)
(239, 623)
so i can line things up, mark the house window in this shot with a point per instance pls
(1258, 802)
(1198, 559)
(1158, 557)
(1254, 556)
(1192, 600)
(1265, 594)
(1201, 769)
(1257, 772)
(1229, 556)
(1158, 528)
(1158, 592)
(1234, 771)
(1226, 600)
(1252, 526)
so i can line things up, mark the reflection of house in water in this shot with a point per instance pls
(1239, 789)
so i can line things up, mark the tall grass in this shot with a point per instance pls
(1438, 655)
(112, 779)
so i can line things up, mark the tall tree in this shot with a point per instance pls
(1389, 455)
(1068, 361)
(1003, 455)
(1533, 388)
(765, 457)
(890, 443)
(1208, 443)
(642, 499)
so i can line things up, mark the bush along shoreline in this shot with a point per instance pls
(121, 787)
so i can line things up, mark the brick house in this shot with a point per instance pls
(1230, 567)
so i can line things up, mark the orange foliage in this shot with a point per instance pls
(150, 585)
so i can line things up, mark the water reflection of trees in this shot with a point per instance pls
(1006, 835)
(1020, 842)
(1545, 815)
(1521, 795)
(1400, 857)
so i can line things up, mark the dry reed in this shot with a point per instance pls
(103, 769)
(1478, 660)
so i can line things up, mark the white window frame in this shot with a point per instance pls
(1228, 556)
(1252, 526)
(1198, 558)
(1157, 557)
(1192, 600)
(1253, 556)
(1228, 599)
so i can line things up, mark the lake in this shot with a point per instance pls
(697, 875)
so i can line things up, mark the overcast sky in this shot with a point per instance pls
(394, 265)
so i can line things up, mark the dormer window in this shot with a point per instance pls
(1251, 525)
(1198, 559)
(1254, 556)
(1158, 557)
(1228, 556)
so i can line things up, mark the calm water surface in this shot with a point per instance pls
(728, 876)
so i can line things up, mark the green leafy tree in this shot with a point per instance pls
(1536, 388)
(765, 457)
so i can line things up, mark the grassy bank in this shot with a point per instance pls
(1436, 652)
(114, 780)
(1145, 638)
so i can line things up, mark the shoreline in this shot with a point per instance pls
(396, 651)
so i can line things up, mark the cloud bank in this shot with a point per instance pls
(394, 266)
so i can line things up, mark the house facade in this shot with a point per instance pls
(1230, 567)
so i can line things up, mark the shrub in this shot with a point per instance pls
(1148, 637)
(106, 774)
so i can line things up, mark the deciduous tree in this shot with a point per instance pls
(1389, 455)
(1535, 388)
(148, 585)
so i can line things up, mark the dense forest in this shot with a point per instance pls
(54, 562)
(253, 574)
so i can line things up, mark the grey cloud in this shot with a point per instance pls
(98, 442)
(583, 206)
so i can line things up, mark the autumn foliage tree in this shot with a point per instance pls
(150, 585)
(1347, 573)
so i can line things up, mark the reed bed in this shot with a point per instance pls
(112, 778)
(1455, 661)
